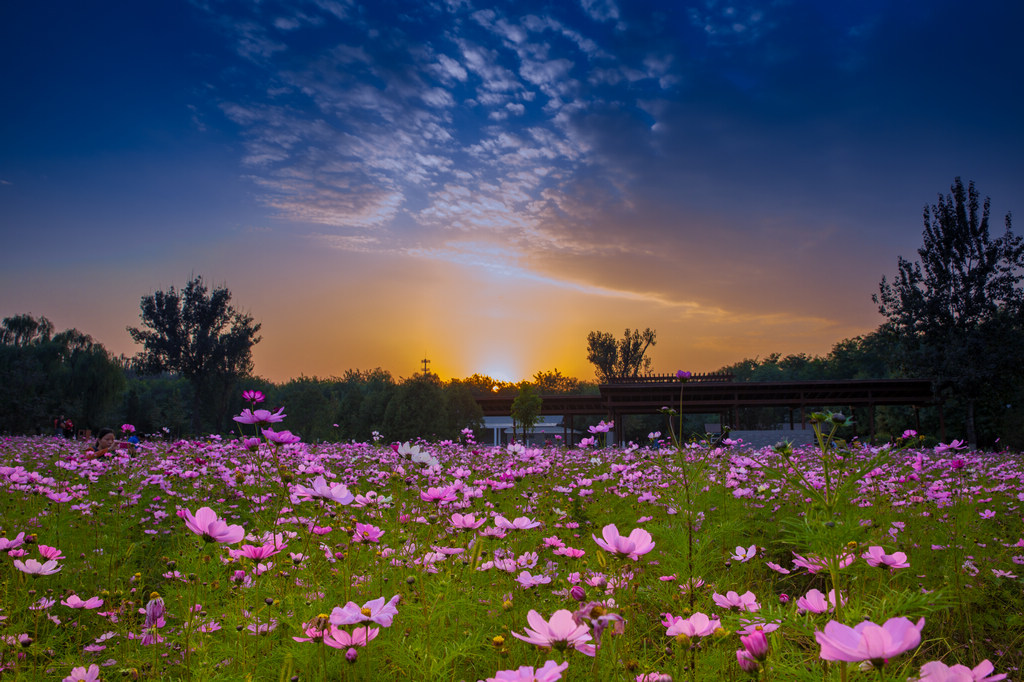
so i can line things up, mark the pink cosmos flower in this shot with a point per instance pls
(520, 523)
(814, 602)
(697, 625)
(375, 610)
(51, 552)
(638, 542)
(260, 416)
(549, 672)
(253, 396)
(367, 533)
(467, 521)
(280, 437)
(341, 639)
(876, 556)
(254, 552)
(937, 671)
(756, 644)
(6, 544)
(560, 632)
(445, 494)
(33, 567)
(867, 641)
(731, 600)
(206, 523)
(75, 602)
(81, 674)
(528, 581)
(744, 555)
(321, 489)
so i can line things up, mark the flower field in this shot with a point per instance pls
(265, 558)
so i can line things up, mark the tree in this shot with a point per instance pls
(526, 409)
(417, 409)
(623, 358)
(46, 374)
(956, 314)
(554, 382)
(198, 334)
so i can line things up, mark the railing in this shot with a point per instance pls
(669, 378)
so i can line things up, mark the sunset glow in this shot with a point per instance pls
(483, 184)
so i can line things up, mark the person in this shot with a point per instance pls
(102, 448)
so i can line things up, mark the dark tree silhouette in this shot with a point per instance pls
(957, 312)
(623, 358)
(198, 334)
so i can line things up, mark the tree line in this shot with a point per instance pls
(954, 315)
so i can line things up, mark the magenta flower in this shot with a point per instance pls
(549, 672)
(755, 644)
(876, 556)
(206, 523)
(937, 671)
(748, 663)
(814, 602)
(636, 543)
(280, 437)
(466, 521)
(375, 610)
(81, 674)
(260, 416)
(867, 641)
(341, 639)
(731, 600)
(253, 396)
(33, 567)
(367, 533)
(561, 632)
(697, 625)
(520, 523)
(323, 490)
(6, 544)
(683, 375)
(445, 494)
(51, 552)
(75, 602)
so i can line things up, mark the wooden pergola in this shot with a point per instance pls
(719, 394)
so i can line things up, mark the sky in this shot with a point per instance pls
(484, 183)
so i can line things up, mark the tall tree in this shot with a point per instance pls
(957, 312)
(623, 358)
(198, 334)
(526, 409)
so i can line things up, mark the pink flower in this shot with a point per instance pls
(80, 674)
(528, 581)
(341, 639)
(867, 641)
(744, 555)
(51, 552)
(549, 672)
(75, 602)
(280, 437)
(375, 610)
(521, 523)
(756, 644)
(937, 671)
(636, 543)
(683, 375)
(731, 600)
(367, 533)
(445, 494)
(560, 632)
(6, 544)
(253, 396)
(814, 602)
(254, 552)
(323, 490)
(260, 416)
(467, 521)
(748, 663)
(876, 556)
(33, 567)
(697, 625)
(206, 523)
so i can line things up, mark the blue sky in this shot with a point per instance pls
(485, 183)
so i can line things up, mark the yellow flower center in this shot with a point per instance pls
(366, 612)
